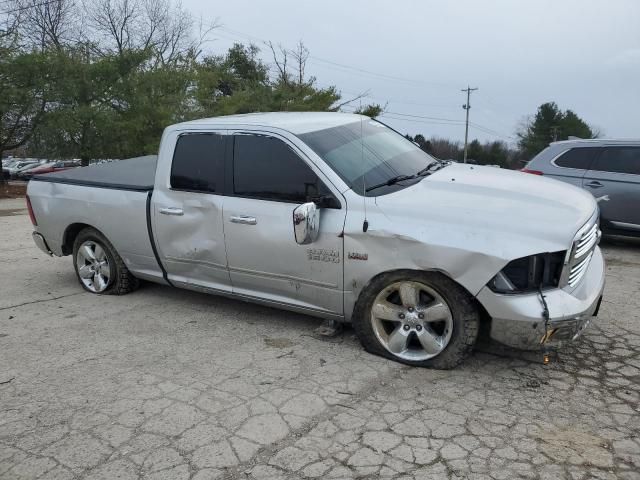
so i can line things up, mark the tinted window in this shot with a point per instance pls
(580, 158)
(619, 160)
(265, 167)
(198, 162)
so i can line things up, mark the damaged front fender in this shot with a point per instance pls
(466, 254)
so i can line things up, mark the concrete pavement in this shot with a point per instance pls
(170, 384)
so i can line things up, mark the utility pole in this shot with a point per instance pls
(554, 132)
(467, 106)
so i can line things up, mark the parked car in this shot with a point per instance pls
(608, 169)
(6, 163)
(17, 167)
(39, 168)
(25, 174)
(338, 216)
(47, 168)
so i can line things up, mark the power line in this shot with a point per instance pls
(375, 74)
(490, 111)
(429, 122)
(492, 100)
(27, 7)
(380, 76)
(481, 128)
(426, 117)
(489, 130)
(344, 67)
(391, 100)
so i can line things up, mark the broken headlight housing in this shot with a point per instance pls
(529, 274)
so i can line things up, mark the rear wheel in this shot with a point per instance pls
(419, 318)
(98, 265)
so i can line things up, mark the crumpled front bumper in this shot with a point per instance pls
(517, 320)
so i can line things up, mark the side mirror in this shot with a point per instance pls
(306, 223)
(326, 201)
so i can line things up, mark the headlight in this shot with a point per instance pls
(529, 274)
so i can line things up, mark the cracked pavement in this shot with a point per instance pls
(170, 384)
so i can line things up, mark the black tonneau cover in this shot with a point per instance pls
(132, 174)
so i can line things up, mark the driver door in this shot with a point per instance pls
(267, 180)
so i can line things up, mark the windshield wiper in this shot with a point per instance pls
(391, 181)
(428, 170)
(432, 167)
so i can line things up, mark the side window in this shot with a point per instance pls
(266, 168)
(198, 163)
(579, 158)
(619, 160)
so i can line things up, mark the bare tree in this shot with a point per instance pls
(162, 27)
(173, 36)
(301, 55)
(284, 58)
(9, 30)
(47, 24)
(114, 22)
(280, 60)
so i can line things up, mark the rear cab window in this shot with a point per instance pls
(198, 163)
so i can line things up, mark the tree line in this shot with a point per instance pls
(102, 79)
(488, 153)
(549, 124)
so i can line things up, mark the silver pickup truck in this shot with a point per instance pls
(337, 216)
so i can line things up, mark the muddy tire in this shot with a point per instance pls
(98, 266)
(423, 319)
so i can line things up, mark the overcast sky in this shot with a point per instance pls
(415, 56)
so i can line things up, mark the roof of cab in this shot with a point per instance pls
(294, 122)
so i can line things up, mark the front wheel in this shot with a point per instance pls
(98, 265)
(418, 318)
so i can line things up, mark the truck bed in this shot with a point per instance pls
(136, 174)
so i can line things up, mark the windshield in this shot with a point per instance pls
(368, 153)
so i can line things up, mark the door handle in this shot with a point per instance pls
(245, 219)
(171, 211)
(594, 184)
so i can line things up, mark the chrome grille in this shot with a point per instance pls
(578, 269)
(587, 242)
(579, 257)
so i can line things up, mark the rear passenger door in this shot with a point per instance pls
(187, 213)
(615, 175)
(571, 165)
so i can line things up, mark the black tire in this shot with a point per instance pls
(121, 281)
(464, 312)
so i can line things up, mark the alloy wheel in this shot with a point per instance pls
(412, 320)
(93, 266)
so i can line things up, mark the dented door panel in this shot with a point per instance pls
(192, 244)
